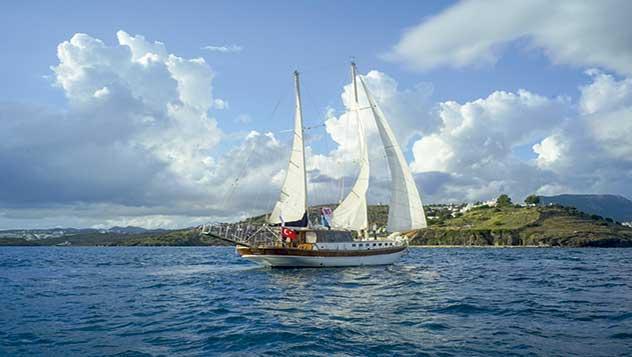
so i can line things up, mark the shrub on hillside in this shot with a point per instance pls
(503, 201)
(532, 200)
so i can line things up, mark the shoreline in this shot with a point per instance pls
(489, 246)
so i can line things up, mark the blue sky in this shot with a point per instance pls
(483, 106)
(315, 37)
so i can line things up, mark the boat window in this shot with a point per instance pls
(353, 245)
(333, 236)
(361, 245)
(374, 244)
(380, 244)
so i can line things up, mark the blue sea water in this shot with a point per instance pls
(206, 301)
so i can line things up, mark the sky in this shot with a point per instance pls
(164, 114)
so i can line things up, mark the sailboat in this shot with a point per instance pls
(289, 239)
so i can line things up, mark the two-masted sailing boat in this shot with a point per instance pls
(291, 240)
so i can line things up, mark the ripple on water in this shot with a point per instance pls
(206, 301)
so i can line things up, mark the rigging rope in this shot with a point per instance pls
(242, 172)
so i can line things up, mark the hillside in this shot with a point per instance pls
(526, 226)
(618, 208)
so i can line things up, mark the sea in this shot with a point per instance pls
(205, 301)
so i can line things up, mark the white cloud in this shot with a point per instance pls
(475, 142)
(480, 133)
(581, 147)
(224, 49)
(137, 136)
(606, 107)
(101, 92)
(605, 93)
(431, 153)
(549, 151)
(475, 32)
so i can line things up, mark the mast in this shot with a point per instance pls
(299, 113)
(355, 84)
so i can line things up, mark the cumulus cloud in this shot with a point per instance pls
(224, 49)
(596, 152)
(579, 33)
(486, 130)
(476, 140)
(136, 140)
(580, 146)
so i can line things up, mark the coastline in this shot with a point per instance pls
(487, 246)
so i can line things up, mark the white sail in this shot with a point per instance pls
(352, 211)
(292, 203)
(405, 209)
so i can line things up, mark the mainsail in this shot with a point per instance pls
(352, 211)
(291, 208)
(405, 210)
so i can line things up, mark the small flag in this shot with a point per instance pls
(288, 233)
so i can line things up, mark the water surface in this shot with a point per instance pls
(206, 301)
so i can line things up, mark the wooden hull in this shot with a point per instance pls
(289, 257)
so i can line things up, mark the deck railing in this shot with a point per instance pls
(240, 233)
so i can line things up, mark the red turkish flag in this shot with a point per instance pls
(288, 233)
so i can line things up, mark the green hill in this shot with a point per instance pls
(525, 226)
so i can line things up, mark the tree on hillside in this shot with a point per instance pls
(532, 200)
(503, 200)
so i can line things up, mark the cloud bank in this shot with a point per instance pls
(138, 143)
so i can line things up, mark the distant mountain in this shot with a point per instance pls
(608, 206)
(50, 233)
(132, 230)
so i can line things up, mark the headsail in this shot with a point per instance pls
(352, 211)
(405, 210)
(291, 208)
